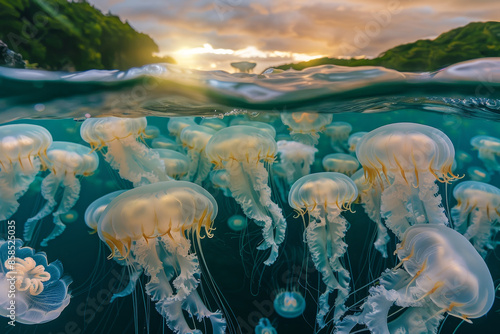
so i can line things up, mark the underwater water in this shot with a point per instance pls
(462, 101)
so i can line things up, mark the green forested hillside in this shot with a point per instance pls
(57, 34)
(475, 40)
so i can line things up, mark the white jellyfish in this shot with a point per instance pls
(339, 134)
(305, 127)
(296, 159)
(488, 150)
(22, 153)
(66, 162)
(195, 138)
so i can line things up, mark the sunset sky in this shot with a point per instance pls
(209, 34)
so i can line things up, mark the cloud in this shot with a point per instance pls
(308, 27)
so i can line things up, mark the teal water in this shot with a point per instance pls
(463, 101)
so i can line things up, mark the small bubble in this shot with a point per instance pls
(87, 115)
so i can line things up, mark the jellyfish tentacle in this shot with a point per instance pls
(50, 185)
(134, 277)
(195, 306)
(317, 241)
(251, 191)
(394, 208)
(70, 196)
(337, 227)
(135, 162)
(371, 204)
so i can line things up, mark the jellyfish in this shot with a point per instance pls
(176, 163)
(462, 158)
(92, 216)
(404, 160)
(340, 163)
(476, 214)
(289, 304)
(66, 162)
(166, 143)
(133, 160)
(260, 125)
(353, 141)
(148, 228)
(195, 138)
(22, 153)
(339, 134)
(242, 150)
(69, 217)
(265, 327)
(478, 174)
(237, 223)
(305, 127)
(324, 196)
(443, 273)
(296, 159)
(214, 123)
(40, 289)
(220, 179)
(177, 124)
(152, 132)
(488, 148)
(370, 200)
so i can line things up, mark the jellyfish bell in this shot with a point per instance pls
(66, 162)
(120, 137)
(265, 327)
(260, 125)
(177, 124)
(476, 213)
(237, 223)
(22, 154)
(152, 132)
(69, 217)
(242, 152)
(148, 227)
(353, 141)
(339, 135)
(463, 158)
(340, 163)
(296, 159)
(488, 150)
(404, 160)
(166, 143)
(195, 138)
(324, 196)
(305, 127)
(443, 273)
(214, 123)
(176, 163)
(41, 290)
(476, 173)
(289, 304)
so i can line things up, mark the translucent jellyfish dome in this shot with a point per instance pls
(195, 138)
(324, 196)
(340, 163)
(96, 208)
(289, 304)
(237, 223)
(166, 143)
(22, 153)
(148, 227)
(152, 132)
(339, 134)
(442, 273)
(476, 173)
(176, 163)
(66, 162)
(260, 125)
(405, 160)
(177, 124)
(265, 327)
(242, 151)
(306, 126)
(477, 213)
(41, 290)
(353, 140)
(133, 160)
(296, 159)
(488, 150)
(214, 123)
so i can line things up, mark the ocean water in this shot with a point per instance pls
(462, 101)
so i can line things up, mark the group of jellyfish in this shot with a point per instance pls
(155, 228)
